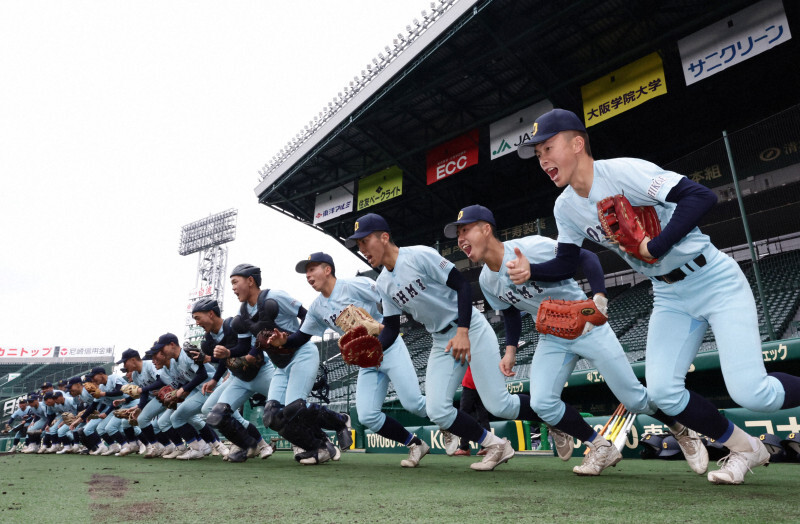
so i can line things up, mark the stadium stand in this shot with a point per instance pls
(33, 375)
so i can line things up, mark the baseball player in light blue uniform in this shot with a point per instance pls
(373, 383)
(419, 281)
(21, 414)
(296, 367)
(555, 357)
(110, 390)
(38, 413)
(177, 369)
(694, 284)
(246, 282)
(59, 404)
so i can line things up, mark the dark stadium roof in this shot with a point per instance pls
(484, 60)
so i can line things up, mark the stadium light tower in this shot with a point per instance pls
(207, 237)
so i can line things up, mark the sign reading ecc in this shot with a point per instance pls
(452, 157)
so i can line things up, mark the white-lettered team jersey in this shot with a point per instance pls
(418, 286)
(181, 371)
(323, 312)
(148, 375)
(501, 293)
(643, 184)
(286, 320)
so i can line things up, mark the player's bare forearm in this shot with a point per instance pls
(508, 361)
(643, 249)
(458, 346)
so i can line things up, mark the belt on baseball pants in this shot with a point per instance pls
(450, 325)
(676, 275)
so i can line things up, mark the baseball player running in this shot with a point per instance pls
(335, 294)
(555, 357)
(16, 424)
(286, 410)
(418, 281)
(219, 332)
(177, 369)
(694, 284)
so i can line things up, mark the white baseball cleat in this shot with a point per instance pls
(264, 450)
(194, 452)
(324, 454)
(602, 454)
(142, 448)
(564, 443)
(102, 448)
(112, 449)
(495, 455)
(451, 442)
(64, 450)
(415, 454)
(735, 466)
(176, 452)
(127, 449)
(219, 449)
(233, 449)
(693, 449)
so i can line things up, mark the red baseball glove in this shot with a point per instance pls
(360, 348)
(568, 318)
(626, 225)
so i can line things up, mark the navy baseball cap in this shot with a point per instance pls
(248, 270)
(314, 257)
(57, 394)
(47, 385)
(99, 370)
(74, 380)
(365, 225)
(468, 215)
(653, 440)
(164, 340)
(547, 126)
(669, 447)
(206, 304)
(127, 355)
(48, 395)
(62, 382)
(23, 400)
(33, 396)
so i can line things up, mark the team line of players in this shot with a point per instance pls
(695, 286)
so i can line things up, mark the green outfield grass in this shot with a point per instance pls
(370, 488)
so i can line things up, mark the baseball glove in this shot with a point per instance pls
(279, 356)
(360, 348)
(68, 417)
(123, 413)
(93, 415)
(568, 318)
(132, 390)
(92, 388)
(353, 316)
(626, 225)
(168, 397)
(195, 353)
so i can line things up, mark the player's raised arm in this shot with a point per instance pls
(562, 267)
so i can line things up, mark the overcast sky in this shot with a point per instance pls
(122, 121)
